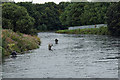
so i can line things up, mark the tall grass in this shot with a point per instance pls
(99, 31)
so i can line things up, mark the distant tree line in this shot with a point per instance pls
(77, 14)
(113, 19)
(46, 15)
(26, 17)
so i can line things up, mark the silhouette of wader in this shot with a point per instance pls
(50, 46)
(14, 54)
(56, 41)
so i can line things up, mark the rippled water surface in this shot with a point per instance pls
(76, 56)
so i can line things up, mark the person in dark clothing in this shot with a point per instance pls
(14, 54)
(56, 41)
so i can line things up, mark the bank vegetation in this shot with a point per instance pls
(19, 42)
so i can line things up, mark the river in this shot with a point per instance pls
(76, 56)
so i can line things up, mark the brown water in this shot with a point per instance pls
(76, 56)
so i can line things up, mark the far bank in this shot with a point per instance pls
(98, 31)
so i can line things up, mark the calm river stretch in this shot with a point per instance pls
(75, 56)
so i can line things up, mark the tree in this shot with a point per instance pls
(62, 6)
(77, 14)
(71, 15)
(113, 19)
(49, 16)
(44, 14)
(29, 6)
(16, 18)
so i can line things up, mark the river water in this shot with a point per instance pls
(76, 56)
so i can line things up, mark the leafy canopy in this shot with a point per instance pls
(16, 18)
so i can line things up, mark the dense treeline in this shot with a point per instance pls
(46, 15)
(113, 19)
(84, 14)
(26, 17)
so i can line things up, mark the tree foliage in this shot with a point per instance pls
(16, 18)
(84, 14)
(26, 17)
(113, 19)
(44, 14)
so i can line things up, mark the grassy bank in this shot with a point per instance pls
(99, 31)
(17, 41)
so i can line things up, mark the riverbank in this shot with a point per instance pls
(98, 31)
(15, 41)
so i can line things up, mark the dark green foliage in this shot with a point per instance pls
(16, 18)
(46, 15)
(62, 6)
(113, 19)
(27, 17)
(50, 18)
(31, 9)
(77, 14)
(29, 6)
